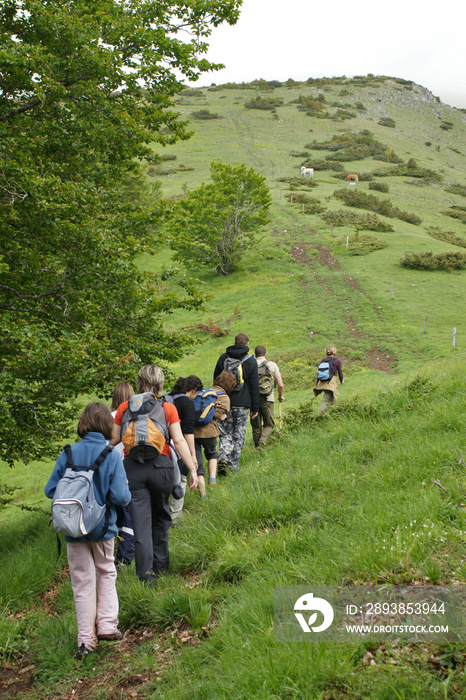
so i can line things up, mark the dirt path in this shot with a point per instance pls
(376, 358)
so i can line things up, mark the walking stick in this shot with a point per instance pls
(279, 416)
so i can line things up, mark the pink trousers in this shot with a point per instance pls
(93, 576)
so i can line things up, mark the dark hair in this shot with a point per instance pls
(241, 339)
(96, 418)
(194, 383)
(226, 381)
(260, 351)
(122, 392)
(181, 386)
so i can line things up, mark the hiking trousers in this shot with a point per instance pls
(232, 436)
(93, 576)
(151, 484)
(263, 424)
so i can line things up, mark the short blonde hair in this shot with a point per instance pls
(330, 350)
(150, 378)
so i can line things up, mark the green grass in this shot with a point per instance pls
(349, 497)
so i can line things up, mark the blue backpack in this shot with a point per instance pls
(325, 370)
(204, 406)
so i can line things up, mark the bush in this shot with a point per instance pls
(267, 103)
(205, 114)
(430, 261)
(299, 183)
(457, 189)
(456, 213)
(311, 204)
(192, 92)
(364, 244)
(346, 217)
(447, 237)
(387, 121)
(352, 146)
(379, 186)
(363, 200)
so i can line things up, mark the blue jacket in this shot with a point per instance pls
(110, 478)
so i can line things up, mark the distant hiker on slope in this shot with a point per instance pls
(327, 377)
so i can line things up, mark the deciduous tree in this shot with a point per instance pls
(86, 88)
(218, 222)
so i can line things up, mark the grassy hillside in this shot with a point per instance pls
(302, 288)
(372, 491)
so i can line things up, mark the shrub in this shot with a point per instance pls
(346, 217)
(205, 114)
(192, 92)
(456, 213)
(363, 200)
(430, 261)
(352, 146)
(364, 244)
(457, 189)
(447, 236)
(387, 121)
(298, 183)
(360, 107)
(311, 204)
(379, 186)
(267, 103)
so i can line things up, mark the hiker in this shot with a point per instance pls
(269, 374)
(327, 377)
(125, 547)
(205, 436)
(91, 557)
(244, 399)
(151, 479)
(183, 394)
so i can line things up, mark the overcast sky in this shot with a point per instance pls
(299, 39)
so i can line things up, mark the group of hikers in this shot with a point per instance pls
(136, 490)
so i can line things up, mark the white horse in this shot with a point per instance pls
(307, 171)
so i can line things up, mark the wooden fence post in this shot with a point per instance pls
(362, 262)
(425, 322)
(393, 289)
(454, 339)
(347, 240)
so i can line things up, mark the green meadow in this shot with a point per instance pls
(373, 491)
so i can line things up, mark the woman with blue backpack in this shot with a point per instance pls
(326, 380)
(211, 405)
(91, 551)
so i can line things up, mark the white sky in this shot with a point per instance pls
(281, 39)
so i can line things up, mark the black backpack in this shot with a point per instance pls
(233, 365)
(325, 369)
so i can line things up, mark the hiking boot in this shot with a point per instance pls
(82, 652)
(112, 636)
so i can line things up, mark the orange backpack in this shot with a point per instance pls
(144, 430)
